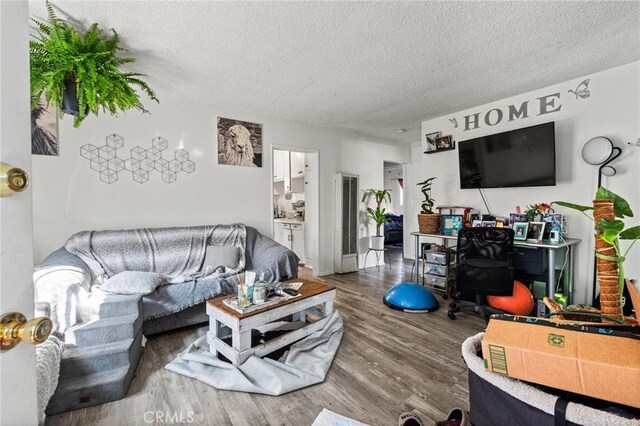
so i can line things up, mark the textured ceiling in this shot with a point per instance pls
(365, 67)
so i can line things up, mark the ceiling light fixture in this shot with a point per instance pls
(401, 130)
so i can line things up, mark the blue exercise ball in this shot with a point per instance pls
(411, 297)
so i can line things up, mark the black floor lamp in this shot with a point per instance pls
(599, 151)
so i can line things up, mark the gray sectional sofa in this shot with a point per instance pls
(103, 331)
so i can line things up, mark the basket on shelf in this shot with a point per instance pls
(429, 223)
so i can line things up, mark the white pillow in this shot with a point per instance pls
(133, 282)
(220, 256)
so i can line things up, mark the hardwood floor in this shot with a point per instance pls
(389, 362)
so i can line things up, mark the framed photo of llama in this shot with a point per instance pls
(239, 143)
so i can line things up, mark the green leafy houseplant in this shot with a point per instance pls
(378, 215)
(608, 211)
(533, 211)
(428, 221)
(67, 64)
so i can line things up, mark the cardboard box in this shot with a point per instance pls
(599, 362)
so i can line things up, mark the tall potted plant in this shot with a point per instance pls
(608, 210)
(428, 221)
(79, 72)
(378, 215)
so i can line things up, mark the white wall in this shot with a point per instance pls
(612, 110)
(69, 197)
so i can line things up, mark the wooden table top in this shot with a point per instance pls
(308, 289)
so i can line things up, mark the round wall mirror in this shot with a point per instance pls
(597, 150)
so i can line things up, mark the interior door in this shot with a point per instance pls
(18, 403)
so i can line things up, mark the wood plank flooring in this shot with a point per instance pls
(389, 362)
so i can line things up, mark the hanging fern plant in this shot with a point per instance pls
(71, 67)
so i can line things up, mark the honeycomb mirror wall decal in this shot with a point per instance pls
(141, 162)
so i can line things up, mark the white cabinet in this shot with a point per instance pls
(290, 235)
(297, 185)
(297, 164)
(279, 234)
(297, 240)
(289, 167)
(280, 164)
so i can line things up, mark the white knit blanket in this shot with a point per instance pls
(48, 355)
(177, 253)
(64, 288)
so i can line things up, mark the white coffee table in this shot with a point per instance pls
(314, 298)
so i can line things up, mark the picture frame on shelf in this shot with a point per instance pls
(502, 222)
(476, 224)
(488, 224)
(520, 230)
(517, 218)
(536, 231)
(444, 143)
(451, 224)
(556, 218)
(431, 141)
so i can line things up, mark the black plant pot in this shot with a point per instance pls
(70, 100)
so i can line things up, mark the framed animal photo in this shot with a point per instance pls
(444, 143)
(239, 143)
(431, 141)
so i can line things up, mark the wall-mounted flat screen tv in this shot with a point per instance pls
(521, 157)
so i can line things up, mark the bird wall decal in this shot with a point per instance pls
(582, 91)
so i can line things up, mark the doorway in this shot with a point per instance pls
(393, 229)
(18, 391)
(295, 211)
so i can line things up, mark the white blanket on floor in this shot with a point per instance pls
(329, 418)
(304, 364)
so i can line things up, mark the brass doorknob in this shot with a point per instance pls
(15, 328)
(12, 180)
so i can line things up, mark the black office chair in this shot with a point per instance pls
(484, 266)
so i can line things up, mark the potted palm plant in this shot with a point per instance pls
(608, 211)
(428, 221)
(378, 215)
(79, 72)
